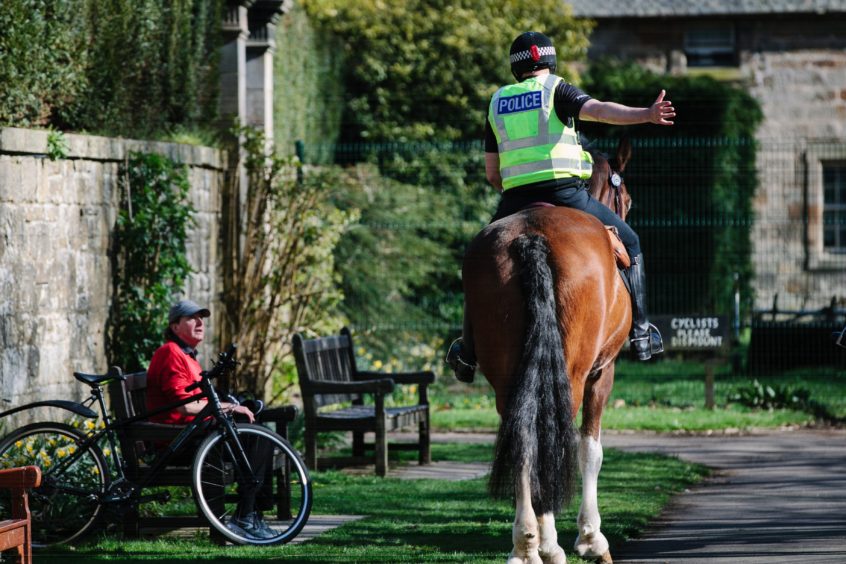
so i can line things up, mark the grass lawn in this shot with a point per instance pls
(423, 520)
(663, 396)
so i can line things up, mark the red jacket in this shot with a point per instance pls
(171, 370)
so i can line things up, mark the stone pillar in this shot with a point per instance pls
(261, 45)
(233, 57)
(246, 62)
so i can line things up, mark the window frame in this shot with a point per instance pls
(695, 50)
(817, 154)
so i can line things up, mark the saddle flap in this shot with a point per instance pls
(620, 253)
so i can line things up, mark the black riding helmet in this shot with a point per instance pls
(531, 51)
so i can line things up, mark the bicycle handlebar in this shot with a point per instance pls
(224, 363)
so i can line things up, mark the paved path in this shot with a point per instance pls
(777, 497)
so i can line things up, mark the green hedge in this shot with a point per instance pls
(125, 67)
(309, 88)
(692, 184)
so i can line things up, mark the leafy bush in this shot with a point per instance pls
(423, 70)
(764, 396)
(308, 90)
(281, 280)
(122, 67)
(43, 60)
(150, 263)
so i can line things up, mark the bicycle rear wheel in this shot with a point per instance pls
(284, 498)
(66, 505)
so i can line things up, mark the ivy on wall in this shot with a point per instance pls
(308, 91)
(123, 67)
(150, 267)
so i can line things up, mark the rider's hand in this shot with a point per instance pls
(661, 110)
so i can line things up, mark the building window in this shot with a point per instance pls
(834, 206)
(825, 205)
(710, 46)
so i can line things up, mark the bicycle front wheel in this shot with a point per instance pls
(66, 504)
(277, 489)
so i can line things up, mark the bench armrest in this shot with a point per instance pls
(23, 477)
(381, 385)
(424, 377)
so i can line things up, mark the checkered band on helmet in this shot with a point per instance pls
(531, 51)
(527, 54)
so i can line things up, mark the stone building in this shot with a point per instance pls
(791, 56)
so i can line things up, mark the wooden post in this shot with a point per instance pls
(709, 384)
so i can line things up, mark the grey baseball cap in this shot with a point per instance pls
(186, 308)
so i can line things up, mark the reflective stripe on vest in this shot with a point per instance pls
(533, 144)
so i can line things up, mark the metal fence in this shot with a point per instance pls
(754, 229)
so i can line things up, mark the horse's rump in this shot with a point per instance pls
(588, 289)
(539, 287)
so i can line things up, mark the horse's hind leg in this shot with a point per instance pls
(524, 533)
(549, 550)
(591, 543)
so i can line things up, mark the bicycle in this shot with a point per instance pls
(80, 481)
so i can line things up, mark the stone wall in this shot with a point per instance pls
(56, 223)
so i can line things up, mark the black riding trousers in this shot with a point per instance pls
(576, 197)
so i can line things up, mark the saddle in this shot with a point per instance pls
(620, 253)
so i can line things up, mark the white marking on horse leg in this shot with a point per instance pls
(591, 543)
(549, 550)
(524, 533)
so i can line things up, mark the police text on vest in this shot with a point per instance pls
(520, 103)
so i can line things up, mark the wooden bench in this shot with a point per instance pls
(138, 440)
(16, 533)
(333, 391)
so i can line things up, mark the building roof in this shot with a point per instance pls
(688, 8)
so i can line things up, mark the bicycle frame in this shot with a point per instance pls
(211, 413)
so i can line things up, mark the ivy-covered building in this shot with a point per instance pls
(791, 57)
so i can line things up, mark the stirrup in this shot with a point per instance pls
(654, 343)
(464, 372)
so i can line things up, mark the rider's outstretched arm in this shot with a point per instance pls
(660, 112)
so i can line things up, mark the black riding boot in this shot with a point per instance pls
(462, 361)
(645, 337)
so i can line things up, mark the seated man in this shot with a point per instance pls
(174, 367)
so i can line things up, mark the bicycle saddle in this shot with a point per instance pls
(114, 373)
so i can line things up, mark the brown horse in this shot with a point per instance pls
(548, 312)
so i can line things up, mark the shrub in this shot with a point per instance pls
(128, 68)
(150, 264)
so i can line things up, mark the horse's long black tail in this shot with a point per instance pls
(537, 428)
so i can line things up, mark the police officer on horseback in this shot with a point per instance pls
(533, 154)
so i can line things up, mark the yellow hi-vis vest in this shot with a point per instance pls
(533, 144)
